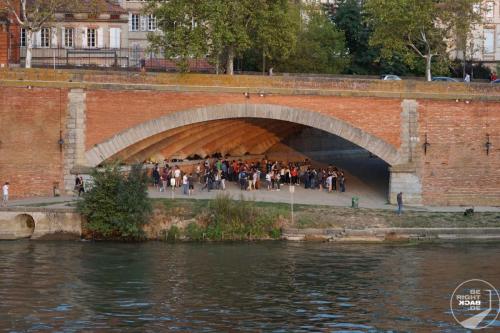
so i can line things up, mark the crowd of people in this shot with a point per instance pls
(265, 174)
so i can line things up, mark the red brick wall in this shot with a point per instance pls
(29, 132)
(456, 169)
(125, 109)
(10, 37)
(4, 45)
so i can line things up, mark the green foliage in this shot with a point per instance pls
(320, 48)
(173, 234)
(195, 232)
(236, 220)
(117, 206)
(222, 29)
(349, 17)
(422, 28)
(181, 39)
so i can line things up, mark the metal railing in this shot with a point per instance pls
(107, 58)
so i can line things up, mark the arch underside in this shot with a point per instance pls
(234, 129)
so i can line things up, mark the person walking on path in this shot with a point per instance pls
(399, 199)
(5, 191)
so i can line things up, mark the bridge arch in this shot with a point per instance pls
(109, 148)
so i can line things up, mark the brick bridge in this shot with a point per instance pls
(102, 116)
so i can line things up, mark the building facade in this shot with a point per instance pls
(89, 35)
(139, 24)
(9, 39)
(486, 45)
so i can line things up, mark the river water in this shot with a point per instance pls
(255, 287)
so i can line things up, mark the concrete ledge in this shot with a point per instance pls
(392, 234)
(431, 92)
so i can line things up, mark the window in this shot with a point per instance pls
(23, 37)
(489, 41)
(134, 22)
(91, 37)
(45, 37)
(490, 9)
(151, 23)
(69, 34)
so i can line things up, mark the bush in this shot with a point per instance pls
(173, 234)
(239, 219)
(117, 206)
(195, 232)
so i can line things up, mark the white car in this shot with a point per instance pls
(390, 77)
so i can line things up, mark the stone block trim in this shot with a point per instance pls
(74, 148)
(121, 141)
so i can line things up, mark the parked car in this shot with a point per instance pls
(444, 79)
(496, 81)
(390, 77)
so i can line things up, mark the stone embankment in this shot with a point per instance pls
(39, 223)
(65, 223)
(378, 235)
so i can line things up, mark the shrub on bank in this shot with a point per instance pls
(117, 206)
(236, 220)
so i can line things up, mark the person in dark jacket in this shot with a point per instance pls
(399, 199)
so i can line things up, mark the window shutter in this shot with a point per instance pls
(100, 37)
(84, 38)
(144, 23)
(37, 42)
(114, 38)
(129, 21)
(53, 35)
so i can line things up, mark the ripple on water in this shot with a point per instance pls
(279, 287)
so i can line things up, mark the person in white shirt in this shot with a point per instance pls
(177, 176)
(5, 191)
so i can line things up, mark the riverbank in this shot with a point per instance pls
(326, 223)
(201, 220)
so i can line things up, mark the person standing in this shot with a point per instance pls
(5, 191)
(342, 181)
(191, 184)
(156, 177)
(177, 176)
(399, 199)
(164, 179)
(467, 78)
(185, 185)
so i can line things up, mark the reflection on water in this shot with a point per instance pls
(272, 286)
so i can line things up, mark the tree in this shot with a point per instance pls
(276, 30)
(423, 27)
(463, 24)
(320, 48)
(117, 206)
(32, 16)
(409, 27)
(349, 18)
(182, 34)
(221, 29)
